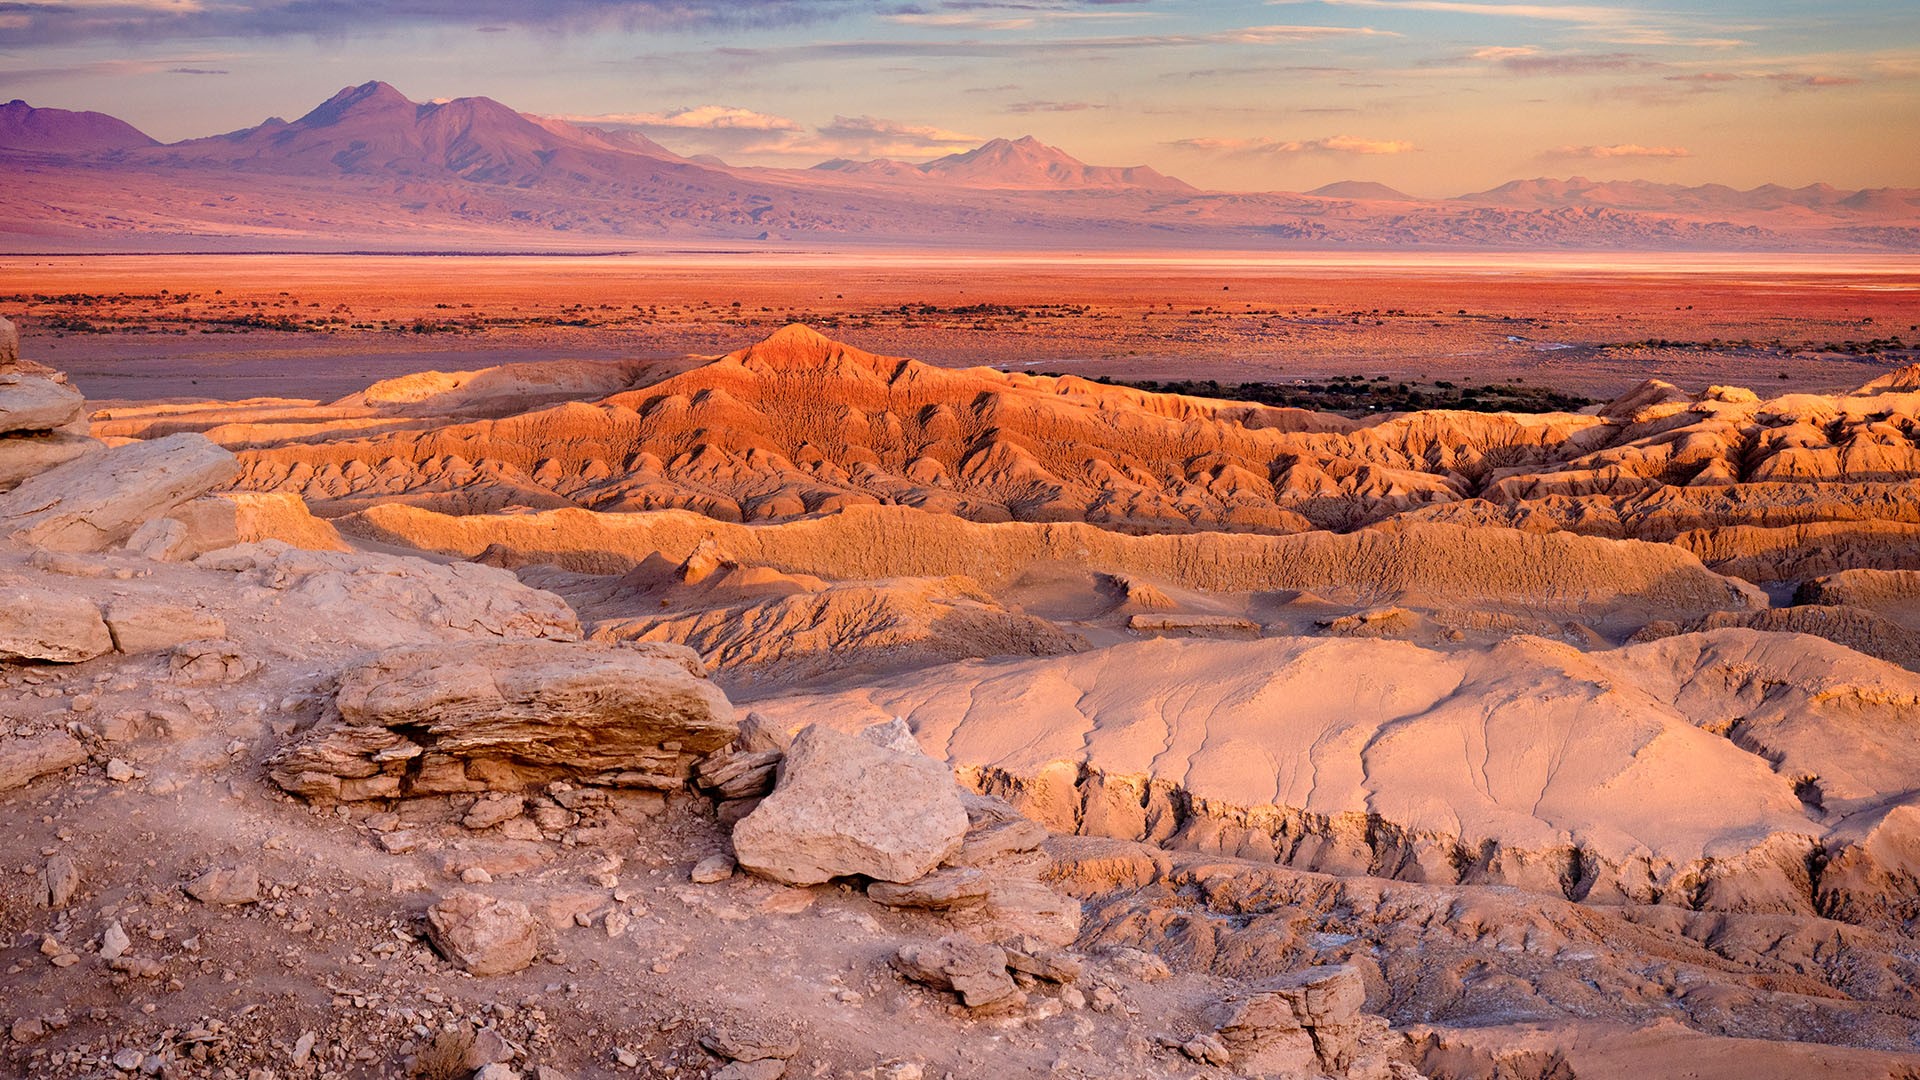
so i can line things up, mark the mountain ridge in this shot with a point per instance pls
(369, 167)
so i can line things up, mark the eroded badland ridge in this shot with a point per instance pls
(812, 712)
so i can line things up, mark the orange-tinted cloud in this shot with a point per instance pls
(1622, 150)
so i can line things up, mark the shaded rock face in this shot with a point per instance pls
(1302, 1022)
(504, 715)
(98, 500)
(849, 805)
(484, 935)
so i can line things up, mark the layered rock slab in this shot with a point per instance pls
(502, 715)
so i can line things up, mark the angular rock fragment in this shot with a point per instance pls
(23, 759)
(493, 810)
(226, 886)
(484, 935)
(1033, 959)
(961, 963)
(845, 805)
(504, 716)
(999, 839)
(59, 880)
(764, 1069)
(45, 624)
(98, 500)
(731, 774)
(739, 1042)
(954, 887)
(28, 454)
(712, 869)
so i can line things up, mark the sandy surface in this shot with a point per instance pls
(1573, 323)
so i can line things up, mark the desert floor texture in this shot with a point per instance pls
(740, 667)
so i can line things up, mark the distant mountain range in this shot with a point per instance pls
(369, 169)
(1023, 164)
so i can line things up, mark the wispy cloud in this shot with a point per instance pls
(1611, 23)
(1585, 14)
(1051, 106)
(47, 21)
(1332, 144)
(876, 137)
(1049, 47)
(1532, 61)
(734, 132)
(1622, 150)
(115, 69)
(696, 118)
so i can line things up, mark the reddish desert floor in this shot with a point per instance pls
(144, 327)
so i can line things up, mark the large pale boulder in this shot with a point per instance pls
(507, 714)
(98, 500)
(24, 758)
(43, 624)
(484, 935)
(34, 402)
(849, 805)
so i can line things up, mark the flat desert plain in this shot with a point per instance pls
(320, 326)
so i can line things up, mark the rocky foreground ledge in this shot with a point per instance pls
(402, 805)
(283, 808)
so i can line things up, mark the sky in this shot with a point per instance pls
(1434, 97)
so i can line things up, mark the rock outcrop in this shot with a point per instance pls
(506, 716)
(1489, 567)
(223, 520)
